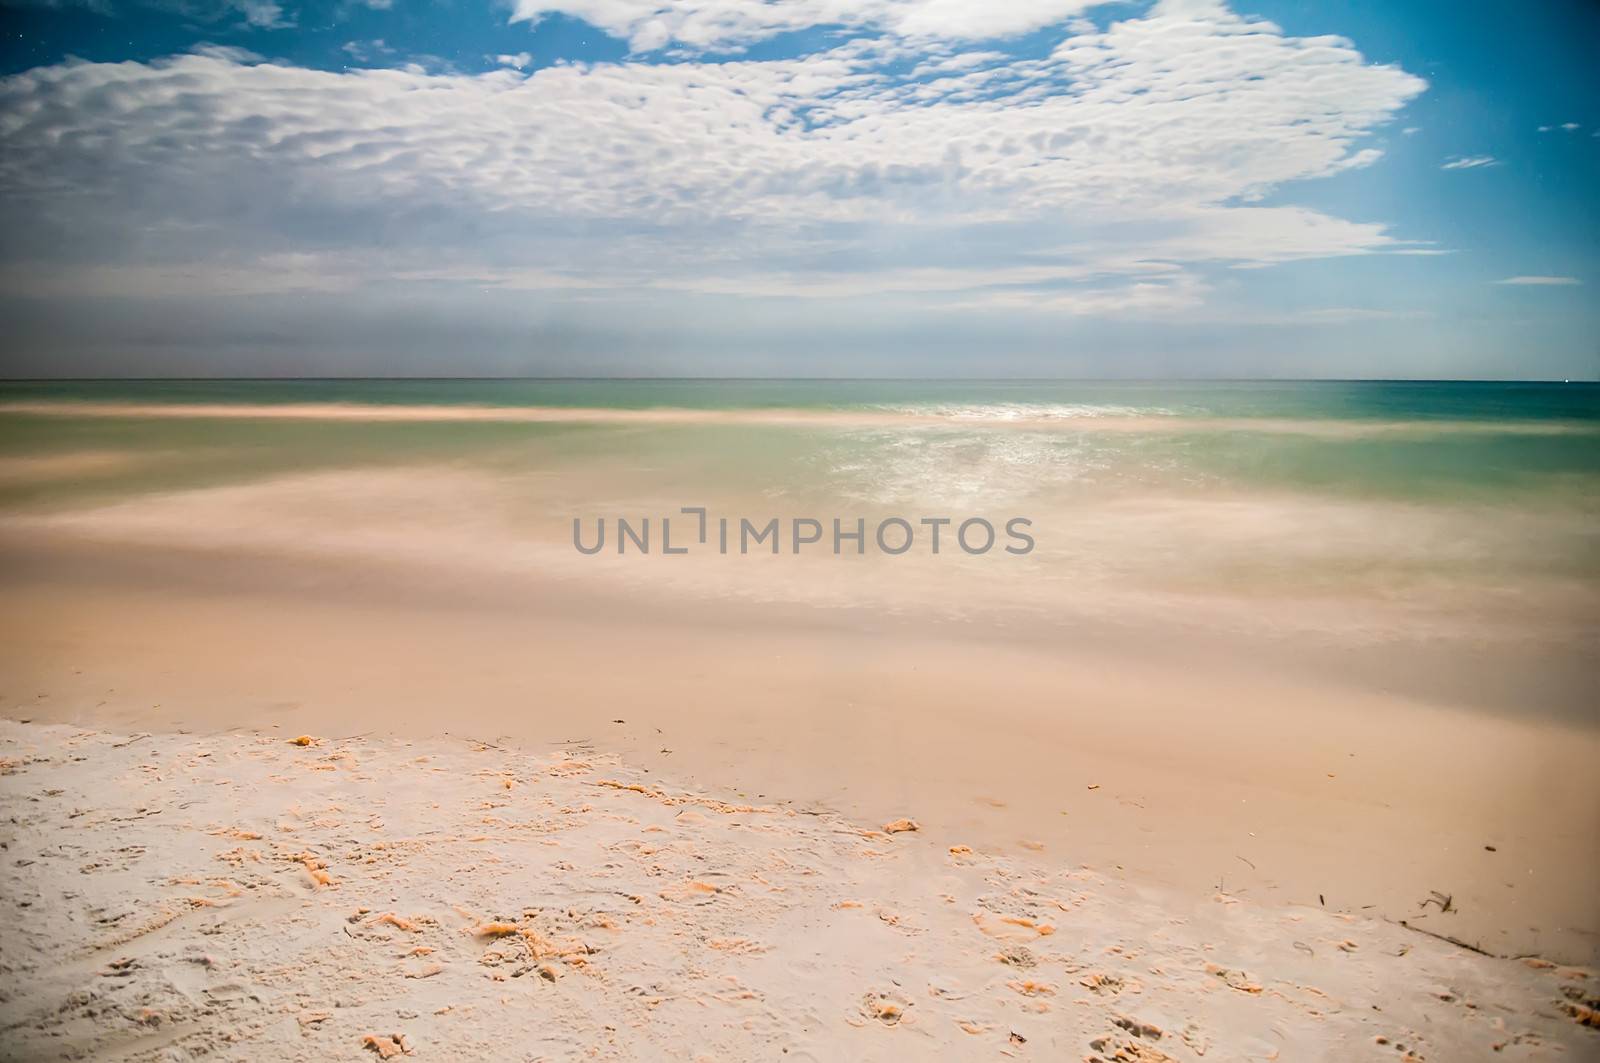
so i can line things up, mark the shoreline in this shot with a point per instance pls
(1159, 768)
(786, 417)
(241, 893)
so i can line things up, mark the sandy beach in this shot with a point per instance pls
(256, 894)
(719, 531)
(1223, 770)
(1170, 764)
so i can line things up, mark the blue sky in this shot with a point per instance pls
(811, 187)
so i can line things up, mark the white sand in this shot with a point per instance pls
(161, 899)
(1277, 786)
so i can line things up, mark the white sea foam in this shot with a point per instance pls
(1026, 412)
(1067, 417)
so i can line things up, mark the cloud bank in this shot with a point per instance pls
(1541, 281)
(1089, 180)
(649, 25)
(1108, 173)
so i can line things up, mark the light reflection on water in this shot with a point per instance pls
(1483, 522)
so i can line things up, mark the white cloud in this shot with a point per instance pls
(228, 53)
(264, 14)
(1344, 315)
(519, 61)
(649, 25)
(367, 51)
(1093, 180)
(1536, 281)
(1143, 298)
(1470, 162)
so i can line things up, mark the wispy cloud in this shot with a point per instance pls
(1535, 281)
(371, 51)
(1097, 178)
(1470, 162)
(1565, 127)
(722, 25)
(1340, 315)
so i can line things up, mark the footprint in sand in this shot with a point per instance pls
(1103, 984)
(887, 1008)
(1125, 1050)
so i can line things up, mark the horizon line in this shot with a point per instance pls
(398, 378)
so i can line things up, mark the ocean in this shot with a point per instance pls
(1336, 511)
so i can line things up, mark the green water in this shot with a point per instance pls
(1378, 487)
(1460, 520)
(1530, 444)
(1369, 400)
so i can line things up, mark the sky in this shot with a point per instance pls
(947, 188)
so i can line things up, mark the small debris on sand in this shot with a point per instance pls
(1102, 983)
(1582, 1014)
(1445, 902)
(1122, 1050)
(1030, 988)
(1148, 1031)
(387, 1045)
(1234, 979)
(686, 924)
(901, 826)
(1016, 956)
(316, 867)
(887, 1008)
(492, 930)
(426, 971)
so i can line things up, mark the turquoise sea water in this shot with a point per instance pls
(1579, 401)
(1395, 439)
(1379, 506)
